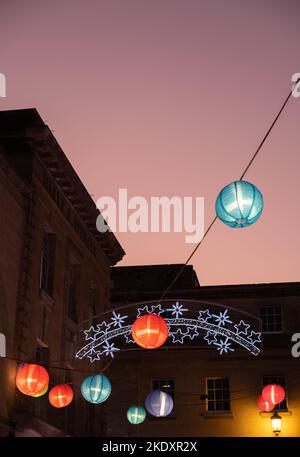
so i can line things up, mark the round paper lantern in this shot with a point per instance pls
(264, 405)
(159, 403)
(239, 204)
(96, 389)
(136, 414)
(42, 393)
(150, 331)
(60, 395)
(273, 393)
(32, 379)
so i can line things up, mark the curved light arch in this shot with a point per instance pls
(219, 329)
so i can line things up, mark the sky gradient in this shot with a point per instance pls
(169, 97)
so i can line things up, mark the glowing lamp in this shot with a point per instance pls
(239, 204)
(159, 403)
(42, 393)
(149, 331)
(32, 379)
(136, 414)
(60, 395)
(276, 423)
(264, 405)
(273, 393)
(96, 389)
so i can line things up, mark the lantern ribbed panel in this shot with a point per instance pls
(32, 379)
(273, 393)
(61, 395)
(96, 389)
(150, 331)
(159, 403)
(136, 414)
(264, 405)
(239, 204)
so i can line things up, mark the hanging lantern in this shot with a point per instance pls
(239, 204)
(42, 393)
(32, 379)
(149, 331)
(60, 395)
(136, 414)
(96, 389)
(273, 393)
(264, 405)
(159, 403)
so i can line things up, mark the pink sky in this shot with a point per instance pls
(170, 98)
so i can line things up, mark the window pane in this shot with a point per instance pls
(218, 394)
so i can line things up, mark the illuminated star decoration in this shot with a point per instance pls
(177, 310)
(242, 328)
(90, 333)
(223, 346)
(110, 349)
(219, 330)
(117, 319)
(222, 318)
(178, 336)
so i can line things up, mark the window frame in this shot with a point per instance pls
(218, 411)
(272, 332)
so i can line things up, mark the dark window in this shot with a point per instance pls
(42, 355)
(218, 395)
(271, 319)
(92, 306)
(73, 291)
(168, 386)
(45, 322)
(282, 382)
(47, 263)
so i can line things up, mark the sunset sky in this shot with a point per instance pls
(170, 97)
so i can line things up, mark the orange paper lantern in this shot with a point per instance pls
(273, 393)
(32, 379)
(150, 331)
(61, 395)
(264, 405)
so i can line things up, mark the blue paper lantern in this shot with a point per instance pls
(239, 204)
(136, 414)
(159, 403)
(96, 389)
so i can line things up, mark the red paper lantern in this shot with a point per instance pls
(150, 331)
(60, 395)
(32, 379)
(264, 405)
(273, 393)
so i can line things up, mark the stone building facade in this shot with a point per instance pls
(55, 274)
(214, 395)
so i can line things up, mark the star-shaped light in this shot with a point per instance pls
(94, 355)
(90, 333)
(117, 319)
(223, 346)
(222, 318)
(128, 338)
(255, 337)
(210, 337)
(192, 332)
(110, 349)
(242, 328)
(103, 327)
(178, 336)
(177, 310)
(204, 315)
